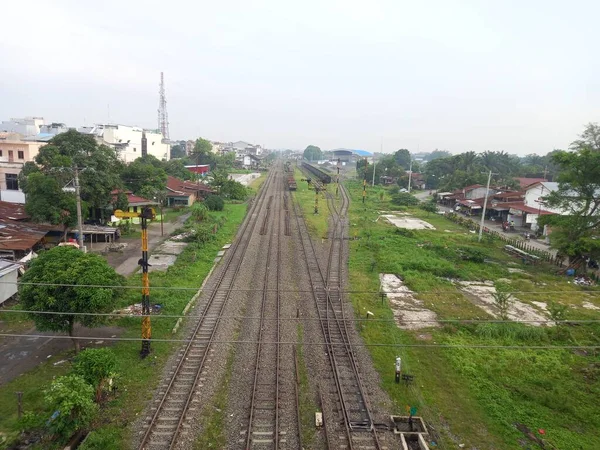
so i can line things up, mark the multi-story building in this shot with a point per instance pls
(14, 153)
(128, 140)
(27, 126)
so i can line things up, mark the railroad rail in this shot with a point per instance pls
(168, 420)
(274, 386)
(354, 413)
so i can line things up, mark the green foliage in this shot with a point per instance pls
(176, 168)
(579, 196)
(106, 438)
(511, 332)
(46, 202)
(503, 299)
(72, 398)
(54, 167)
(122, 202)
(177, 151)
(404, 199)
(430, 207)
(145, 176)
(199, 212)
(233, 190)
(96, 366)
(214, 203)
(313, 153)
(474, 254)
(402, 158)
(69, 267)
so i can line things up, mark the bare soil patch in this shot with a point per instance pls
(409, 312)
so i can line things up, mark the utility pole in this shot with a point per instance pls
(409, 174)
(373, 184)
(487, 191)
(79, 218)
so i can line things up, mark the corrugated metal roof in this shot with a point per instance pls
(21, 235)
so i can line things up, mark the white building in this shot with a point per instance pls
(27, 126)
(8, 279)
(127, 141)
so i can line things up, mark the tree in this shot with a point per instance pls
(96, 366)
(404, 199)
(436, 154)
(578, 196)
(502, 299)
(145, 175)
(98, 165)
(430, 207)
(176, 168)
(234, 190)
(403, 158)
(121, 202)
(203, 154)
(214, 203)
(72, 399)
(177, 151)
(51, 284)
(199, 212)
(313, 153)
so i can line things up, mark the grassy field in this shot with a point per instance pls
(480, 397)
(137, 377)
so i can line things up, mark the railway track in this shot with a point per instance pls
(272, 421)
(350, 424)
(169, 417)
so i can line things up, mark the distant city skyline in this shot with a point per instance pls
(456, 76)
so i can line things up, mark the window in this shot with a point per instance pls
(0, 153)
(20, 154)
(12, 182)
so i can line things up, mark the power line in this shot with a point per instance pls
(177, 288)
(294, 318)
(450, 346)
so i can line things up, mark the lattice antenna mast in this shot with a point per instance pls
(163, 116)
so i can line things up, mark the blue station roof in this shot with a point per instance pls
(356, 152)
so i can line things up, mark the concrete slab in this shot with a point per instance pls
(217, 259)
(588, 305)
(481, 294)
(408, 222)
(160, 263)
(221, 253)
(226, 246)
(171, 248)
(409, 312)
(244, 178)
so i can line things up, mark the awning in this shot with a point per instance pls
(499, 208)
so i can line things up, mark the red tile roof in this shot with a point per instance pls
(524, 181)
(132, 199)
(185, 188)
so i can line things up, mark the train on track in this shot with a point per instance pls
(323, 176)
(289, 173)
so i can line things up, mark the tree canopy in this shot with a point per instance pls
(145, 176)
(575, 233)
(54, 168)
(51, 284)
(313, 153)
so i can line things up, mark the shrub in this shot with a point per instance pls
(199, 212)
(72, 399)
(430, 207)
(472, 254)
(234, 190)
(404, 199)
(214, 203)
(96, 366)
(106, 438)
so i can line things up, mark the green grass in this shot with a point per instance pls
(317, 224)
(473, 396)
(138, 377)
(213, 414)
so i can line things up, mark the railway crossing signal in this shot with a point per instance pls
(145, 214)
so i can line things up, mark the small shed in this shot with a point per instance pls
(8, 279)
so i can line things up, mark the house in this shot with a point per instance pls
(9, 272)
(185, 193)
(524, 181)
(27, 126)
(199, 169)
(14, 153)
(20, 238)
(417, 180)
(133, 200)
(130, 142)
(248, 161)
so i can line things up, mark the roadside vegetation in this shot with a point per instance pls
(317, 224)
(136, 378)
(485, 398)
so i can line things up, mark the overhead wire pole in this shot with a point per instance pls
(487, 191)
(79, 216)
(409, 174)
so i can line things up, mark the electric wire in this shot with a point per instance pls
(449, 346)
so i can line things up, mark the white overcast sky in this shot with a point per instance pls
(520, 76)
